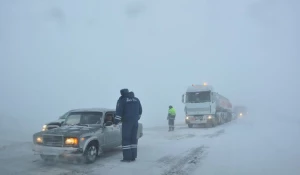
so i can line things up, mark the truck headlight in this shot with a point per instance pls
(44, 128)
(187, 117)
(241, 114)
(209, 117)
(39, 140)
(71, 141)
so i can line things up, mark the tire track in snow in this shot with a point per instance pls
(215, 134)
(184, 164)
(180, 136)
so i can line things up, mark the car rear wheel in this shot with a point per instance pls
(91, 153)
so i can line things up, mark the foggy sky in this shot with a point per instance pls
(60, 55)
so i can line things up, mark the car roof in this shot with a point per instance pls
(92, 110)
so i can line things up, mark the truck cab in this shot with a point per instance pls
(203, 106)
(200, 105)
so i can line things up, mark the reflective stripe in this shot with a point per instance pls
(126, 147)
(118, 117)
(134, 146)
(129, 146)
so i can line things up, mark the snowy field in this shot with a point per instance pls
(58, 55)
(241, 147)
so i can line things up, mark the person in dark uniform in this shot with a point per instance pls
(123, 93)
(171, 117)
(129, 110)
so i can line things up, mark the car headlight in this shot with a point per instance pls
(209, 117)
(187, 117)
(71, 141)
(241, 114)
(39, 140)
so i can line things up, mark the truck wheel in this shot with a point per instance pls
(91, 152)
(218, 121)
(210, 125)
(207, 125)
(190, 125)
(213, 124)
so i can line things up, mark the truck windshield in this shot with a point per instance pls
(75, 118)
(198, 97)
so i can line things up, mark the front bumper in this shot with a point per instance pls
(57, 151)
(199, 122)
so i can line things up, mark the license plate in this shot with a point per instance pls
(49, 151)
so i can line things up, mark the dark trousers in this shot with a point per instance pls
(171, 124)
(129, 140)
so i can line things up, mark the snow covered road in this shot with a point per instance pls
(239, 147)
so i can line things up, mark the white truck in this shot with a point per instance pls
(204, 106)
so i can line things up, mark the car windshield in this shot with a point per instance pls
(77, 118)
(64, 116)
(198, 97)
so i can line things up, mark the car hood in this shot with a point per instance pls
(55, 121)
(74, 130)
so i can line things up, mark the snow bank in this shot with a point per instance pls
(255, 147)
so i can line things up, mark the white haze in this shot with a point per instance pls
(58, 55)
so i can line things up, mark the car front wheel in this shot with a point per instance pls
(91, 153)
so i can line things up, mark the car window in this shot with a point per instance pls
(84, 118)
(109, 117)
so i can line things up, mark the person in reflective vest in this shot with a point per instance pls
(129, 111)
(171, 117)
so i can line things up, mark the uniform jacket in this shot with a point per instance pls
(129, 109)
(171, 114)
